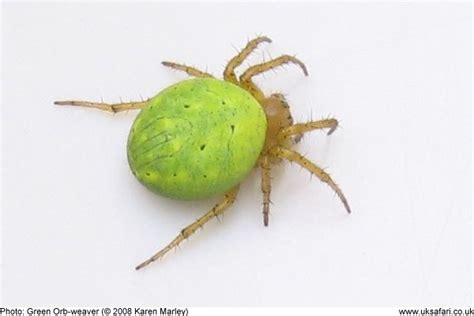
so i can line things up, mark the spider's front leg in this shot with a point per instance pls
(114, 107)
(271, 64)
(293, 156)
(301, 128)
(217, 210)
(193, 72)
(246, 78)
(229, 72)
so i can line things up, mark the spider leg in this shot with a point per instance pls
(293, 156)
(114, 107)
(301, 128)
(218, 209)
(229, 72)
(193, 72)
(266, 187)
(271, 64)
(246, 78)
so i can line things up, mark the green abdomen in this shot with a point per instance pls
(196, 139)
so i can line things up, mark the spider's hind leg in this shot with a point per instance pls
(114, 107)
(217, 210)
(193, 72)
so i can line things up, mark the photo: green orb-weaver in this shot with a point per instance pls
(201, 137)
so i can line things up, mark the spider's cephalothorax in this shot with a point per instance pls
(157, 134)
(278, 117)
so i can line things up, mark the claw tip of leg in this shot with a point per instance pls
(140, 266)
(348, 209)
(266, 39)
(331, 131)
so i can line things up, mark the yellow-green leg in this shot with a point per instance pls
(217, 210)
(266, 187)
(109, 107)
(246, 78)
(229, 72)
(301, 128)
(293, 156)
(193, 72)
(260, 68)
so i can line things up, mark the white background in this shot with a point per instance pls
(76, 222)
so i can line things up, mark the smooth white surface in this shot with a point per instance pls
(76, 222)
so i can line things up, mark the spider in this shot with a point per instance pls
(278, 134)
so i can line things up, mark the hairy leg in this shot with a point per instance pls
(187, 69)
(246, 78)
(228, 200)
(114, 107)
(293, 156)
(266, 187)
(260, 68)
(254, 91)
(301, 128)
(229, 72)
